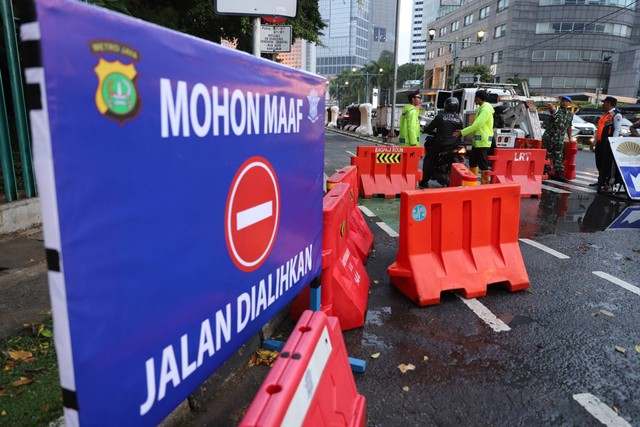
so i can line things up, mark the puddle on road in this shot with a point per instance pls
(552, 213)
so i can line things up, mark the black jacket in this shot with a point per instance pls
(442, 127)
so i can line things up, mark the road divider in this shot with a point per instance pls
(520, 166)
(387, 170)
(459, 239)
(344, 282)
(311, 383)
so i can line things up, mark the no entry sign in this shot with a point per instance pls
(253, 213)
(181, 203)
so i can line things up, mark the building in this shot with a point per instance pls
(559, 46)
(356, 34)
(302, 56)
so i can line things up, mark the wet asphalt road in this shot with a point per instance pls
(558, 347)
(563, 334)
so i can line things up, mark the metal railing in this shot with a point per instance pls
(10, 183)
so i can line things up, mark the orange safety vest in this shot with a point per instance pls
(606, 122)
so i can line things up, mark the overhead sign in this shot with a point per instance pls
(181, 203)
(626, 152)
(628, 219)
(286, 8)
(275, 38)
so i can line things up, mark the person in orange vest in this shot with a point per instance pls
(609, 126)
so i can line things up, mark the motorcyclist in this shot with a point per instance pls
(442, 127)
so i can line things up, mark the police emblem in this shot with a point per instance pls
(313, 105)
(117, 95)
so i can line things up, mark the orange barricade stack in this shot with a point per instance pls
(461, 176)
(344, 280)
(311, 383)
(387, 170)
(524, 166)
(528, 143)
(569, 159)
(458, 239)
(359, 232)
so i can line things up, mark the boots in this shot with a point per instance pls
(486, 178)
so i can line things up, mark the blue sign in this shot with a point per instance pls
(418, 213)
(181, 187)
(626, 152)
(628, 219)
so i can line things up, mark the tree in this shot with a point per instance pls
(410, 71)
(197, 17)
(516, 79)
(482, 70)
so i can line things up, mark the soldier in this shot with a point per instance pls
(558, 124)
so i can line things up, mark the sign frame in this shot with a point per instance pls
(278, 8)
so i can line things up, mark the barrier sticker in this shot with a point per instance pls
(170, 259)
(626, 152)
(388, 158)
(419, 213)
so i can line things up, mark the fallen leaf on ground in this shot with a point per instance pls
(375, 355)
(405, 388)
(607, 313)
(20, 354)
(376, 282)
(615, 408)
(263, 357)
(638, 348)
(425, 358)
(621, 349)
(22, 381)
(404, 368)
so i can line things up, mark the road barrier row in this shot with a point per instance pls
(458, 239)
(461, 176)
(344, 280)
(359, 232)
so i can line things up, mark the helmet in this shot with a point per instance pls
(452, 104)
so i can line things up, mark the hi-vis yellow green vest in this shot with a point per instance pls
(409, 126)
(482, 126)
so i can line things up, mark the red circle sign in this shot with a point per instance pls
(252, 214)
(274, 20)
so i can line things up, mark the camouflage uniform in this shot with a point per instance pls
(553, 139)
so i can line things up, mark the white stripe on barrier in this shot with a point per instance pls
(365, 210)
(390, 231)
(485, 314)
(301, 400)
(619, 282)
(545, 248)
(599, 410)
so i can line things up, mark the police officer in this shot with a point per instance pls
(608, 126)
(482, 129)
(444, 125)
(409, 122)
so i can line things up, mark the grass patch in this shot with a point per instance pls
(29, 384)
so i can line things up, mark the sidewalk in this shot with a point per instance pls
(24, 291)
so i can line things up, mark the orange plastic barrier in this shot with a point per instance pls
(569, 159)
(524, 166)
(311, 383)
(344, 280)
(359, 232)
(458, 239)
(528, 143)
(461, 176)
(387, 170)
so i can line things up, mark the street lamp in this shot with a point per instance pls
(367, 76)
(480, 39)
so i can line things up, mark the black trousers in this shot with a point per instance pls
(605, 162)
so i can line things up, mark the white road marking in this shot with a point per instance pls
(579, 181)
(599, 410)
(555, 190)
(544, 248)
(254, 215)
(575, 187)
(587, 174)
(487, 316)
(352, 154)
(390, 231)
(619, 282)
(365, 210)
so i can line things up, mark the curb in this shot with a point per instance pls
(20, 215)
